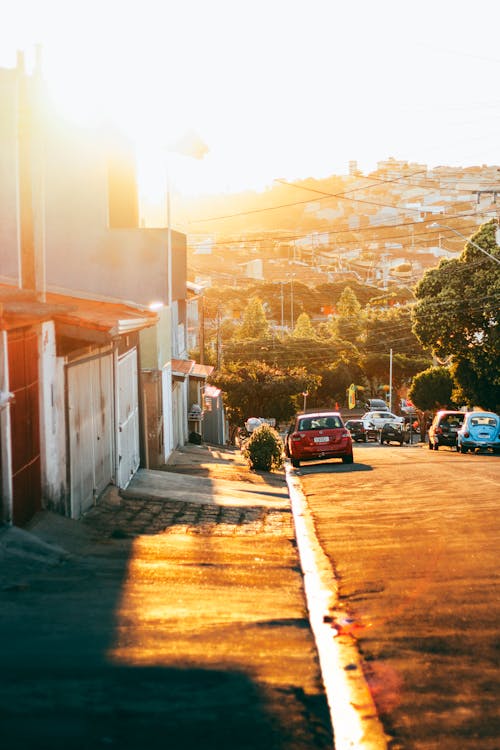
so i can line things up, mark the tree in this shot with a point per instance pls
(349, 323)
(335, 380)
(291, 352)
(432, 389)
(392, 329)
(259, 390)
(254, 323)
(303, 328)
(348, 305)
(457, 315)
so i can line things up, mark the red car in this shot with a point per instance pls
(318, 436)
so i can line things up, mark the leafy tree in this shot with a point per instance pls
(348, 305)
(458, 316)
(257, 389)
(432, 389)
(254, 323)
(404, 368)
(335, 380)
(376, 368)
(348, 324)
(392, 329)
(303, 328)
(291, 352)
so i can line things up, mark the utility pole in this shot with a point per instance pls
(282, 308)
(219, 339)
(291, 277)
(390, 380)
(202, 329)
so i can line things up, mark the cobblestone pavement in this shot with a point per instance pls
(135, 517)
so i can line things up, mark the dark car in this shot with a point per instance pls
(394, 432)
(318, 436)
(376, 404)
(444, 428)
(361, 431)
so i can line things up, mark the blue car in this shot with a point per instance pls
(480, 430)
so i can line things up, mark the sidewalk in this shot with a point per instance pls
(172, 615)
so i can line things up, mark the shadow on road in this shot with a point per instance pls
(100, 705)
(137, 642)
(332, 468)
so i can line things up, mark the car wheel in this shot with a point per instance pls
(431, 447)
(364, 439)
(348, 459)
(295, 463)
(463, 449)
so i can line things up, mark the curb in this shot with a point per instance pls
(355, 722)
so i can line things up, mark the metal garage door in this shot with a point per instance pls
(90, 430)
(128, 418)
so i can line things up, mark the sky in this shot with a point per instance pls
(283, 89)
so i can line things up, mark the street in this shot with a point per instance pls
(412, 536)
(172, 619)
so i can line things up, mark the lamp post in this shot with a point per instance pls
(467, 239)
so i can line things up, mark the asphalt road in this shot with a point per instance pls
(413, 536)
(172, 623)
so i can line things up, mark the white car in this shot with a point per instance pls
(380, 418)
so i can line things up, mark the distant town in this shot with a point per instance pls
(383, 229)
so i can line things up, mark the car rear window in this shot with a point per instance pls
(477, 421)
(320, 423)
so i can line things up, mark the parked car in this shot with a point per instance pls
(361, 431)
(394, 432)
(443, 428)
(479, 430)
(380, 418)
(376, 404)
(318, 436)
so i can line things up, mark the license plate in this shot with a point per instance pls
(324, 439)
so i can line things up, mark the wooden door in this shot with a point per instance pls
(25, 424)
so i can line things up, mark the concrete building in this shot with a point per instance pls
(92, 313)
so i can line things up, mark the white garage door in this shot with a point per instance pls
(90, 430)
(128, 418)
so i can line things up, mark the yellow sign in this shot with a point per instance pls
(351, 396)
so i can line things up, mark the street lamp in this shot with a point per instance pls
(467, 239)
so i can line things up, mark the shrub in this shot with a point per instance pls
(264, 449)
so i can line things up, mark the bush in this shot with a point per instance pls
(264, 449)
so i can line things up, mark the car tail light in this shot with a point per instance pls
(466, 434)
(296, 436)
(438, 431)
(346, 434)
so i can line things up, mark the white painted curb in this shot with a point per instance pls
(356, 725)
